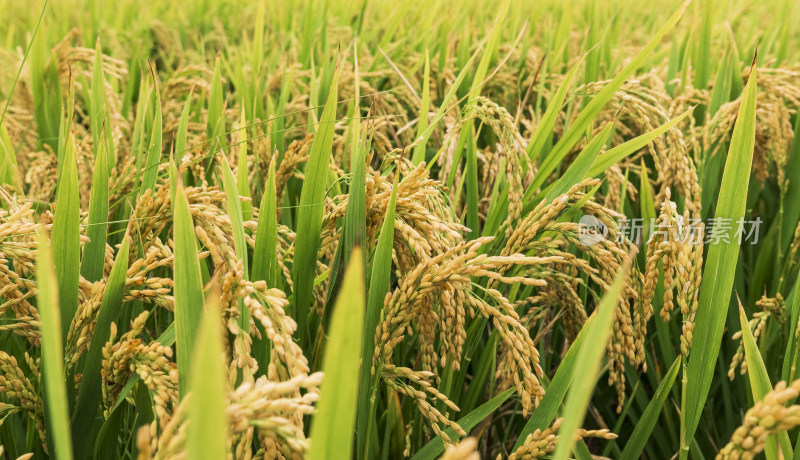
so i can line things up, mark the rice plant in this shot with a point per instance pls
(256, 229)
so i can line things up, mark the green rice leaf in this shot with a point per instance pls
(66, 238)
(55, 392)
(644, 427)
(98, 99)
(544, 129)
(590, 355)
(721, 93)
(355, 218)
(760, 384)
(589, 113)
(215, 121)
(207, 434)
(265, 253)
(473, 222)
(9, 169)
(46, 92)
(792, 355)
(543, 416)
(791, 198)
(578, 169)
(153, 158)
(422, 122)
(646, 203)
(188, 286)
(35, 69)
(138, 136)
(616, 154)
(436, 446)
(379, 280)
(702, 61)
(167, 338)
(107, 438)
(234, 209)
(94, 254)
(332, 427)
(720, 266)
(174, 176)
(280, 119)
(183, 128)
(242, 179)
(309, 214)
(443, 107)
(85, 415)
(258, 36)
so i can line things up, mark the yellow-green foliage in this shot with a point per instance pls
(376, 229)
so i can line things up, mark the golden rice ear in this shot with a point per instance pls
(768, 416)
(466, 449)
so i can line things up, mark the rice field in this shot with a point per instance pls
(255, 229)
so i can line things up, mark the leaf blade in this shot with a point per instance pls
(593, 108)
(590, 356)
(332, 428)
(715, 291)
(207, 433)
(55, 393)
(641, 432)
(188, 286)
(89, 390)
(380, 275)
(66, 238)
(436, 446)
(94, 253)
(309, 217)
